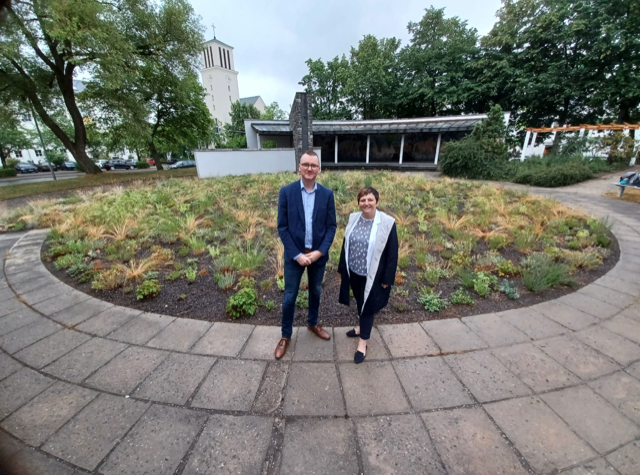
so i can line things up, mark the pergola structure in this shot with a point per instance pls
(577, 128)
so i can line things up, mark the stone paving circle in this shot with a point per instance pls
(89, 387)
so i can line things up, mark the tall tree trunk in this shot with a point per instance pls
(3, 157)
(624, 115)
(155, 155)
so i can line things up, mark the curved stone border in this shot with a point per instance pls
(108, 389)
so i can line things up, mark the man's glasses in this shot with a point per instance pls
(309, 166)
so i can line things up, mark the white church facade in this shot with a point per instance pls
(220, 80)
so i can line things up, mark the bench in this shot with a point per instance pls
(622, 188)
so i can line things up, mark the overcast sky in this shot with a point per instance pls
(272, 40)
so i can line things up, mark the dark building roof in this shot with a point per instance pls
(390, 126)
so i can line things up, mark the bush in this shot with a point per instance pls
(432, 301)
(148, 289)
(461, 297)
(12, 162)
(243, 302)
(550, 177)
(7, 172)
(142, 164)
(540, 272)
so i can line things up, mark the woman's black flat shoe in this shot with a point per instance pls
(359, 357)
(352, 333)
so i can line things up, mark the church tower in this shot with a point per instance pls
(219, 78)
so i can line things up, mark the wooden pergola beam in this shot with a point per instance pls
(576, 128)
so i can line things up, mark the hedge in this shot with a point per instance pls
(550, 177)
(8, 172)
(142, 164)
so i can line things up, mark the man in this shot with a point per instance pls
(307, 226)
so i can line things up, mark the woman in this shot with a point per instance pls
(368, 264)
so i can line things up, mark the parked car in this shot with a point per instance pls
(118, 165)
(130, 162)
(183, 164)
(45, 167)
(23, 167)
(68, 166)
(151, 161)
(171, 161)
(101, 163)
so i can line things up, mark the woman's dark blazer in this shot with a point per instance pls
(386, 274)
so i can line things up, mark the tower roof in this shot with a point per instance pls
(218, 41)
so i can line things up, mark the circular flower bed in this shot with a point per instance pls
(209, 249)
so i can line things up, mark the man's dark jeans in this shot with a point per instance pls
(292, 276)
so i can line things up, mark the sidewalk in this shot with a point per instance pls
(88, 387)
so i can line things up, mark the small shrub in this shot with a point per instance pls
(404, 293)
(141, 164)
(68, 260)
(226, 281)
(497, 242)
(302, 300)
(183, 251)
(151, 275)
(191, 273)
(400, 278)
(243, 302)
(280, 283)
(270, 305)
(525, 241)
(509, 289)
(148, 289)
(182, 297)
(446, 254)
(563, 174)
(461, 297)
(203, 271)
(266, 284)
(483, 282)
(246, 282)
(602, 240)
(214, 251)
(403, 262)
(431, 300)
(108, 280)
(507, 267)
(432, 275)
(540, 272)
(466, 277)
(173, 275)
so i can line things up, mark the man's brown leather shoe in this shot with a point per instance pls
(320, 332)
(281, 349)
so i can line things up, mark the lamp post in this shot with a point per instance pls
(44, 150)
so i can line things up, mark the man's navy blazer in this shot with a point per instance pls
(291, 222)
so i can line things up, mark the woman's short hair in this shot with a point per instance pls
(369, 190)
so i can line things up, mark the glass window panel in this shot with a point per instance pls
(327, 144)
(385, 148)
(352, 148)
(420, 147)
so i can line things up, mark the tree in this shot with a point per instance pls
(13, 137)
(46, 43)
(434, 68)
(273, 112)
(326, 84)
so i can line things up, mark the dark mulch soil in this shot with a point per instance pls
(205, 301)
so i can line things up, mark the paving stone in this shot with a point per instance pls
(32, 282)
(468, 442)
(311, 348)
(634, 370)
(60, 302)
(9, 446)
(126, 371)
(231, 445)
(89, 436)
(592, 418)
(10, 306)
(566, 315)
(6, 294)
(47, 412)
(611, 344)
(580, 359)
(407, 339)
(44, 293)
(364, 393)
(271, 392)
(262, 343)
(157, 443)
(494, 330)
(596, 467)
(107, 321)
(224, 339)
(28, 334)
(534, 368)
(141, 329)
(84, 360)
(452, 335)
(51, 348)
(621, 390)
(533, 323)
(545, 441)
(632, 312)
(176, 378)
(396, 444)
(590, 305)
(430, 383)
(18, 319)
(625, 326)
(626, 459)
(621, 285)
(313, 390)
(8, 365)
(31, 462)
(80, 312)
(180, 335)
(19, 388)
(346, 347)
(231, 385)
(605, 294)
(486, 377)
(319, 446)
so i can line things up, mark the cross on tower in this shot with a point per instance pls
(214, 30)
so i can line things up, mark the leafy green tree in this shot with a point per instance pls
(326, 83)
(273, 112)
(434, 68)
(13, 137)
(46, 43)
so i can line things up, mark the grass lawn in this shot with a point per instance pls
(210, 249)
(20, 190)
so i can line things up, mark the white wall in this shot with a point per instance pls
(223, 162)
